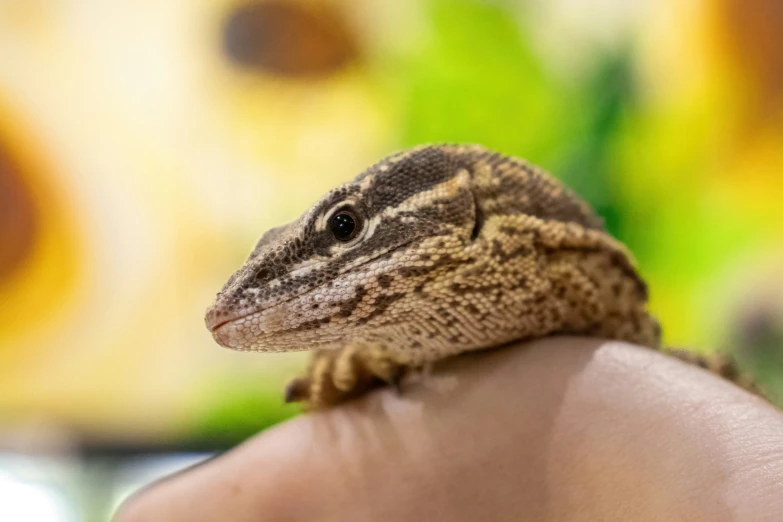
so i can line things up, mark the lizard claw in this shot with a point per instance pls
(297, 390)
(396, 380)
(335, 376)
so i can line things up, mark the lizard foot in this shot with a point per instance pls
(335, 376)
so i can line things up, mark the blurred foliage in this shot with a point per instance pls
(483, 83)
(238, 413)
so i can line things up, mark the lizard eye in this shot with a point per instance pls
(344, 224)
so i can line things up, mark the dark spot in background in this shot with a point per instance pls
(750, 34)
(757, 340)
(17, 215)
(287, 39)
(760, 329)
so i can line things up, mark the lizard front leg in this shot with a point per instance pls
(337, 375)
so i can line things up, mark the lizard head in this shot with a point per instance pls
(345, 268)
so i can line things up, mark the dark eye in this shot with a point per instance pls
(344, 225)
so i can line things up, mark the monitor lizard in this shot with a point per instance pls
(429, 253)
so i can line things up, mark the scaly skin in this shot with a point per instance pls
(457, 248)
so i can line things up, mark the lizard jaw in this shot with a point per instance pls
(216, 319)
(227, 332)
(215, 327)
(248, 329)
(254, 331)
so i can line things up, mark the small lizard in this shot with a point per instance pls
(432, 252)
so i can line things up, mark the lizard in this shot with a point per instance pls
(432, 252)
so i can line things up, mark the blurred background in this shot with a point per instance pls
(146, 145)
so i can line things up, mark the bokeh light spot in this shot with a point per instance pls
(17, 215)
(753, 32)
(286, 39)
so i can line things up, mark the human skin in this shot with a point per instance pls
(562, 428)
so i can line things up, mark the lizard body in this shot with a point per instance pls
(432, 252)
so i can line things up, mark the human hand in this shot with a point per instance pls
(561, 428)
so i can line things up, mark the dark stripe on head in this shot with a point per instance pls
(399, 177)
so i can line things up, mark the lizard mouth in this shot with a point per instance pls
(215, 327)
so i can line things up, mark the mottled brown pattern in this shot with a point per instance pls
(458, 249)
